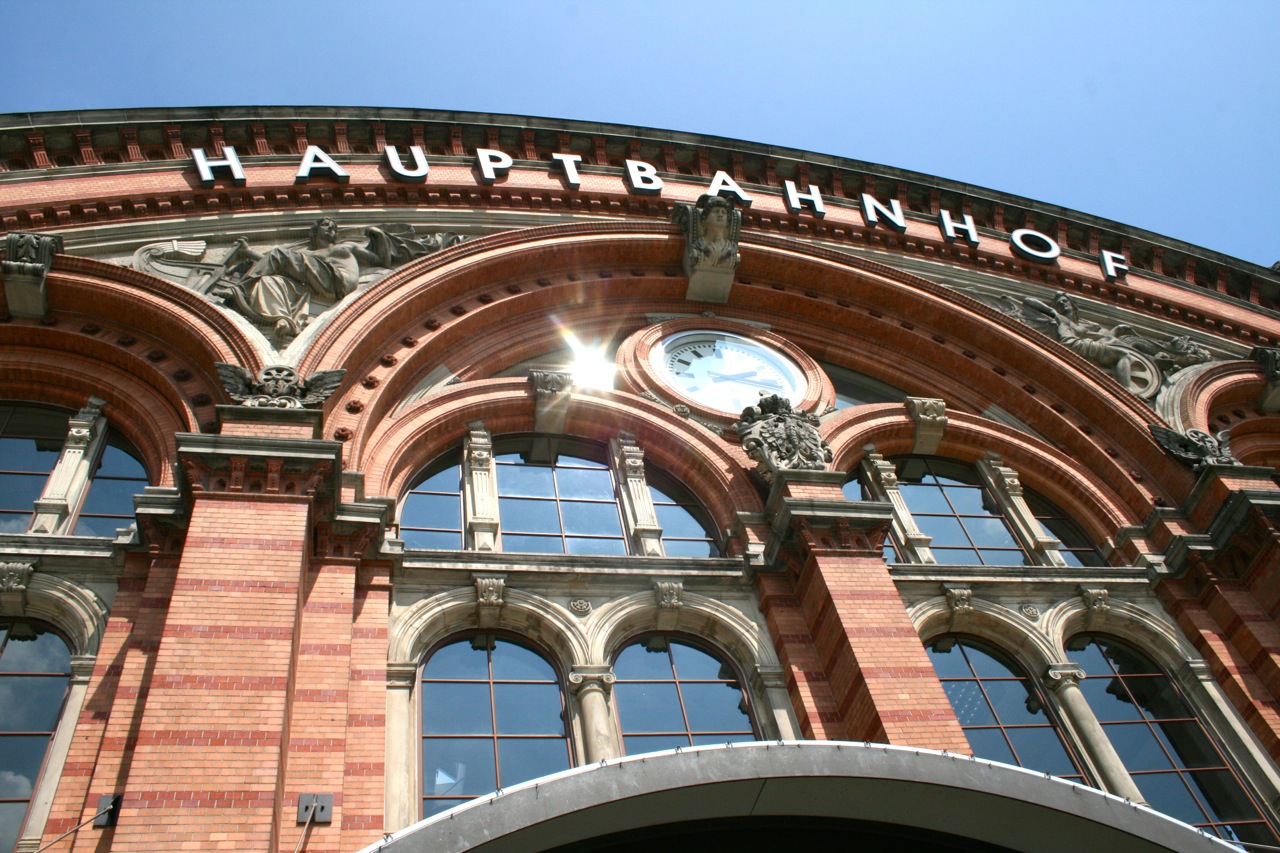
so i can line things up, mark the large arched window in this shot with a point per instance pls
(492, 716)
(98, 497)
(1000, 709)
(35, 667)
(966, 520)
(1166, 749)
(552, 495)
(669, 693)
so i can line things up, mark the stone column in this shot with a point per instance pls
(1064, 680)
(634, 497)
(591, 686)
(401, 799)
(66, 487)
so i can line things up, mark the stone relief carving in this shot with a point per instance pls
(15, 577)
(930, 415)
(276, 289)
(489, 599)
(27, 260)
(711, 228)
(668, 595)
(779, 438)
(1195, 447)
(278, 386)
(1141, 363)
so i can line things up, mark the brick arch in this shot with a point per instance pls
(65, 371)
(1221, 385)
(714, 470)
(1097, 493)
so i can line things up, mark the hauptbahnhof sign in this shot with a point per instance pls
(642, 179)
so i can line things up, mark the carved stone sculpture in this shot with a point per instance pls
(781, 439)
(27, 260)
(711, 229)
(1195, 447)
(15, 577)
(275, 289)
(278, 386)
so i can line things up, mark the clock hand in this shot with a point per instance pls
(731, 377)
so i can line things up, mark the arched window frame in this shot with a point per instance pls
(566, 704)
(744, 684)
(481, 518)
(62, 500)
(880, 477)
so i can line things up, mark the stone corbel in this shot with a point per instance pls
(67, 484)
(668, 596)
(481, 488)
(401, 676)
(27, 261)
(882, 477)
(637, 503)
(489, 589)
(1007, 490)
(552, 391)
(1269, 359)
(15, 577)
(1096, 603)
(930, 415)
(711, 229)
(959, 601)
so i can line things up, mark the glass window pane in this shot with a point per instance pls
(692, 663)
(607, 547)
(513, 662)
(432, 511)
(522, 759)
(990, 533)
(945, 530)
(717, 739)
(564, 460)
(1014, 702)
(11, 815)
(1167, 793)
(638, 662)
(528, 709)
(648, 707)
(1089, 658)
(529, 516)
(26, 454)
(690, 548)
(1040, 748)
(1138, 747)
(35, 649)
(112, 497)
(1189, 745)
(1003, 558)
(532, 544)
(453, 708)
(526, 481)
(434, 807)
(1156, 697)
(676, 521)
(118, 462)
(949, 663)
(991, 745)
(967, 701)
(986, 664)
(458, 661)
(715, 707)
(1226, 799)
(924, 498)
(585, 483)
(20, 760)
(1109, 700)
(436, 540)
(446, 480)
(19, 491)
(653, 743)
(31, 702)
(591, 519)
(971, 501)
(458, 766)
(1125, 660)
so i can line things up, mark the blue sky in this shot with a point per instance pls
(1160, 115)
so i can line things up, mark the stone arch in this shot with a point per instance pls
(78, 613)
(1154, 635)
(993, 623)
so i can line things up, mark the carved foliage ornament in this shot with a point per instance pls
(278, 386)
(1195, 447)
(779, 438)
(16, 577)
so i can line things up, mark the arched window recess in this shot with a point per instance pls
(65, 474)
(551, 494)
(950, 512)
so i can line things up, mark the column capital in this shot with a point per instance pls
(591, 676)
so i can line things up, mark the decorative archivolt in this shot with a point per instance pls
(963, 611)
(77, 611)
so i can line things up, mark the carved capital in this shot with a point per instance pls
(1063, 675)
(489, 589)
(27, 260)
(770, 676)
(587, 677)
(779, 438)
(711, 229)
(930, 415)
(401, 676)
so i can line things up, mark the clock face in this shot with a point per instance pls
(726, 372)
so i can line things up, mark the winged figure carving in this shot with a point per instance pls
(278, 386)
